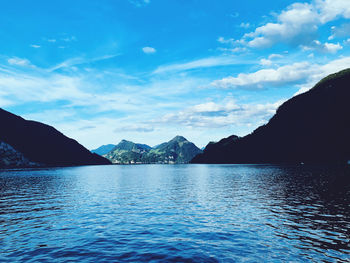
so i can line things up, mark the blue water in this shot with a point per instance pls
(175, 213)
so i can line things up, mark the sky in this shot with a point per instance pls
(148, 70)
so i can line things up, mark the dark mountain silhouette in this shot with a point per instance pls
(313, 127)
(43, 144)
(104, 149)
(177, 150)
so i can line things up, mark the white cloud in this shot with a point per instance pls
(325, 48)
(149, 50)
(332, 48)
(69, 39)
(265, 62)
(226, 113)
(276, 77)
(298, 24)
(4, 102)
(322, 71)
(222, 40)
(332, 9)
(19, 61)
(269, 61)
(140, 3)
(301, 72)
(52, 40)
(295, 24)
(244, 25)
(35, 46)
(273, 56)
(82, 98)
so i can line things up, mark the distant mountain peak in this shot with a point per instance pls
(179, 138)
(177, 150)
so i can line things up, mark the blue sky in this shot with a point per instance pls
(147, 70)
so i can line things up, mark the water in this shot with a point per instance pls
(175, 213)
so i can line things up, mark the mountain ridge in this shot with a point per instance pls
(177, 150)
(43, 144)
(311, 127)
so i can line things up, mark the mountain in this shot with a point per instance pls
(104, 149)
(127, 152)
(10, 158)
(313, 127)
(41, 144)
(177, 150)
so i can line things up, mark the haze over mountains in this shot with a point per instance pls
(177, 150)
(313, 127)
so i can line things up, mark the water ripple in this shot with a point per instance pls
(175, 213)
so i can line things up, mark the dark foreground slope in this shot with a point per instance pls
(313, 127)
(43, 144)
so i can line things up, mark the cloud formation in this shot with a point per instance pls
(19, 61)
(35, 46)
(274, 76)
(140, 3)
(225, 114)
(304, 73)
(195, 64)
(149, 50)
(298, 25)
(323, 48)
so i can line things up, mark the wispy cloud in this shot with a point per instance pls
(82, 93)
(200, 63)
(135, 128)
(340, 31)
(19, 62)
(69, 38)
(35, 46)
(245, 25)
(140, 3)
(80, 60)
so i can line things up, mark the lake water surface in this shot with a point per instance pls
(175, 213)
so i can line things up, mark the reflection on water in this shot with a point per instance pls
(194, 213)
